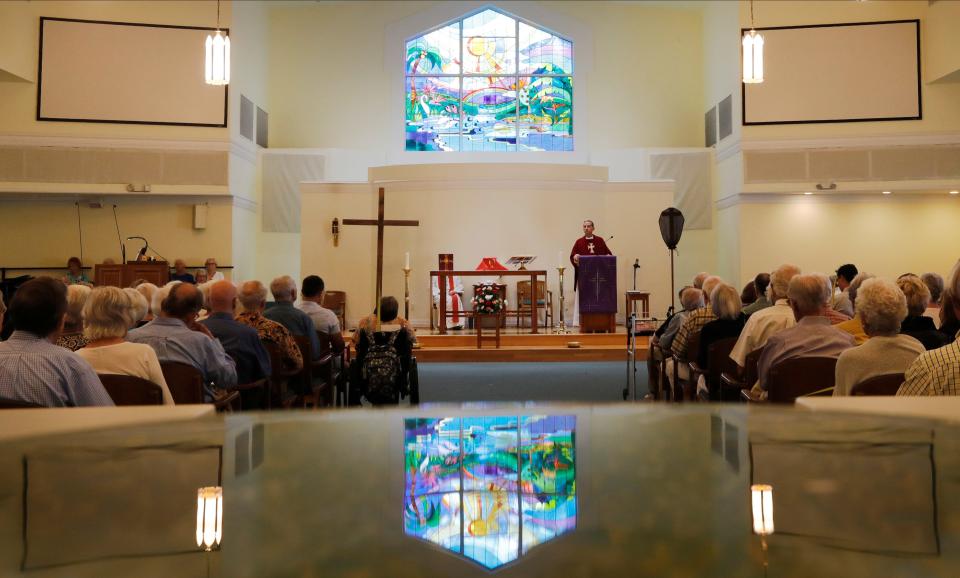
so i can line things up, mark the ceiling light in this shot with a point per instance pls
(217, 62)
(955, 192)
(886, 192)
(752, 54)
(808, 193)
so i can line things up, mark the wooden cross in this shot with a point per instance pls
(380, 223)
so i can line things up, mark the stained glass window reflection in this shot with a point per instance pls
(490, 488)
(489, 82)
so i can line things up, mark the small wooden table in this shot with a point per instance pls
(478, 323)
(532, 274)
(643, 297)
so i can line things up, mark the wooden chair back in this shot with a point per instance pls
(683, 389)
(523, 292)
(750, 367)
(306, 350)
(185, 382)
(131, 390)
(7, 403)
(886, 384)
(543, 297)
(278, 374)
(336, 301)
(801, 376)
(718, 362)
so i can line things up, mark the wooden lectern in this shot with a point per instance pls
(156, 272)
(597, 292)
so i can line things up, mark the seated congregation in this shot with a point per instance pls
(785, 335)
(71, 344)
(790, 334)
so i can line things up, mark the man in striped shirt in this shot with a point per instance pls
(32, 368)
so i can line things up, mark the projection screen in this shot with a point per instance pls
(117, 72)
(837, 73)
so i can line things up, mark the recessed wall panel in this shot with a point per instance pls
(117, 72)
(837, 73)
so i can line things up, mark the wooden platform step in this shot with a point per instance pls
(525, 340)
(464, 349)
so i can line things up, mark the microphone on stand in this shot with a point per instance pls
(123, 248)
(143, 250)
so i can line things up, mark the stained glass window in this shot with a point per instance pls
(490, 488)
(489, 82)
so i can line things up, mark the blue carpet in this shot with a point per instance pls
(583, 382)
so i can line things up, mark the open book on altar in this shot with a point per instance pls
(521, 260)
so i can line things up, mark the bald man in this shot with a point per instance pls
(176, 336)
(240, 341)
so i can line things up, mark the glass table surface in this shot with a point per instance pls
(507, 490)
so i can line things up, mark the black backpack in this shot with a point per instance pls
(381, 368)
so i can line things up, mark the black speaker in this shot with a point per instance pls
(671, 227)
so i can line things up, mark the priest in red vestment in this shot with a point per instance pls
(588, 244)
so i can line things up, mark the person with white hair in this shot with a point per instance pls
(148, 290)
(71, 336)
(916, 324)
(937, 372)
(813, 335)
(205, 291)
(935, 284)
(854, 326)
(881, 307)
(138, 306)
(691, 326)
(106, 319)
(253, 300)
(691, 299)
(770, 320)
(284, 290)
(210, 270)
(699, 278)
(726, 304)
(176, 336)
(697, 319)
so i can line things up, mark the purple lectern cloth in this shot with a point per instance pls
(598, 284)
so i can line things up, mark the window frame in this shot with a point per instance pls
(517, 75)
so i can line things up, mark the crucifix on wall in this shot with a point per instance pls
(380, 223)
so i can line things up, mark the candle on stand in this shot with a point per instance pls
(559, 258)
(406, 260)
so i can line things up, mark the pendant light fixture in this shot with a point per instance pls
(752, 54)
(217, 69)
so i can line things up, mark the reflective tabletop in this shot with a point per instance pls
(507, 490)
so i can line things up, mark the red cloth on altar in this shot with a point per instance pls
(453, 287)
(593, 246)
(491, 264)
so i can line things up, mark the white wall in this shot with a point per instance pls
(19, 31)
(475, 214)
(41, 233)
(940, 110)
(885, 236)
(330, 86)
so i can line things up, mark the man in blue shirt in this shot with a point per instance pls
(284, 291)
(240, 341)
(32, 368)
(176, 336)
(180, 272)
